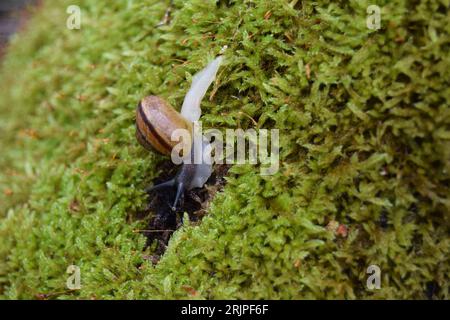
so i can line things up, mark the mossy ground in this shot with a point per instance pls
(364, 125)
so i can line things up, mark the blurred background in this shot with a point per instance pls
(12, 14)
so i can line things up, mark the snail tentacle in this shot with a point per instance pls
(180, 191)
(200, 83)
(160, 186)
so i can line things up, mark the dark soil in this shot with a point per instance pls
(163, 221)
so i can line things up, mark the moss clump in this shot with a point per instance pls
(364, 125)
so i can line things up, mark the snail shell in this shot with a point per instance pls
(155, 121)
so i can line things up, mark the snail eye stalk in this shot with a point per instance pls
(160, 186)
(168, 184)
(180, 191)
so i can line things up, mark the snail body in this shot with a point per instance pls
(156, 121)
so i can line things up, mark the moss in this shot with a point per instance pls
(364, 125)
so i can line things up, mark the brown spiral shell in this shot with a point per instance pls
(155, 122)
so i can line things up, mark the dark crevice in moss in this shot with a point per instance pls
(163, 222)
(432, 290)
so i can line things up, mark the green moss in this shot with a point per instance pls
(364, 125)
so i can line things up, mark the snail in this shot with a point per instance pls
(157, 120)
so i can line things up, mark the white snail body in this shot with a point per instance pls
(200, 83)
